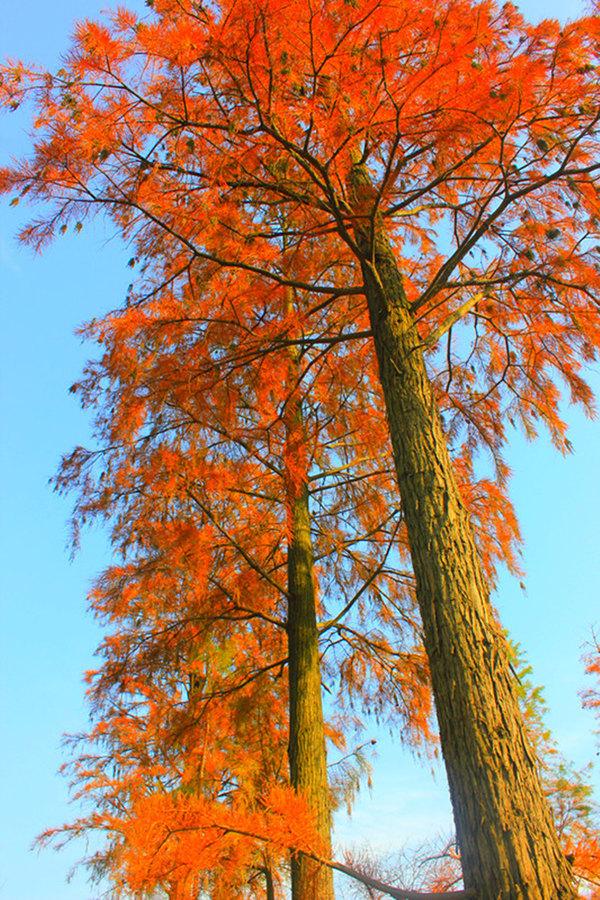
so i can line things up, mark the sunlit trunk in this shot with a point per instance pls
(508, 842)
(307, 750)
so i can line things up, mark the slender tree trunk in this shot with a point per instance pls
(307, 751)
(269, 885)
(269, 882)
(508, 842)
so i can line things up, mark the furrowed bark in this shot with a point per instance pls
(508, 842)
(307, 749)
(307, 752)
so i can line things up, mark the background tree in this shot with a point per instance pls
(591, 696)
(194, 471)
(436, 866)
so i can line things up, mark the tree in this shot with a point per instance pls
(591, 696)
(199, 471)
(461, 130)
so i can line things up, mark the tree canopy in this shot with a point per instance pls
(365, 242)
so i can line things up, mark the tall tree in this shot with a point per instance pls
(205, 474)
(308, 756)
(446, 157)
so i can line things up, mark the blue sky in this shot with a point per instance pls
(48, 638)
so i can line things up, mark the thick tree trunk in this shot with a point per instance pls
(508, 842)
(307, 751)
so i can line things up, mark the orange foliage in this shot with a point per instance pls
(219, 140)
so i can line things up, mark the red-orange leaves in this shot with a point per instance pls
(240, 371)
(174, 837)
(98, 41)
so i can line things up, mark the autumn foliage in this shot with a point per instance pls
(327, 203)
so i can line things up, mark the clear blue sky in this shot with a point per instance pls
(48, 638)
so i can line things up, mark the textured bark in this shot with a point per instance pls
(508, 842)
(307, 751)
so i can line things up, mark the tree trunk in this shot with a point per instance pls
(508, 842)
(307, 751)
(269, 883)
